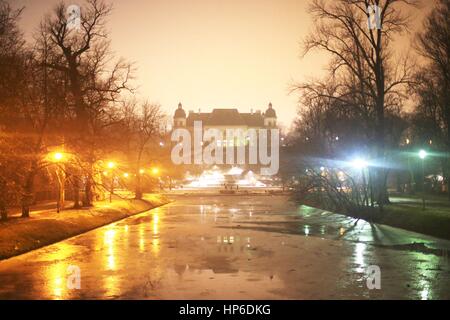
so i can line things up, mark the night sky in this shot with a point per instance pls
(213, 54)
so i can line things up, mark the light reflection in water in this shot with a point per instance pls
(141, 238)
(56, 275)
(202, 214)
(111, 286)
(108, 240)
(306, 230)
(360, 249)
(111, 262)
(155, 245)
(155, 223)
(155, 241)
(425, 288)
(425, 292)
(230, 243)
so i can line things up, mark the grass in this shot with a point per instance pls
(407, 213)
(19, 235)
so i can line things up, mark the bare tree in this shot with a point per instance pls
(432, 85)
(83, 56)
(362, 65)
(143, 125)
(12, 83)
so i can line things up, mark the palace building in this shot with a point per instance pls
(226, 118)
(250, 126)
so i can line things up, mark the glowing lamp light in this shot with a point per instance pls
(359, 163)
(422, 154)
(125, 175)
(111, 164)
(141, 171)
(155, 171)
(58, 156)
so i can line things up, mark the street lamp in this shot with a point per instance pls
(111, 165)
(359, 163)
(58, 157)
(155, 173)
(422, 155)
(362, 164)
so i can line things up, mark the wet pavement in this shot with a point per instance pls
(233, 247)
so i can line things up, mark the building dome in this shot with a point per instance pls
(270, 112)
(179, 113)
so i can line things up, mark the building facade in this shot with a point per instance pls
(226, 118)
(229, 119)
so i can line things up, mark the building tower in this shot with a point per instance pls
(270, 117)
(179, 118)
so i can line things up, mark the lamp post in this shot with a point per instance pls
(362, 164)
(155, 172)
(58, 157)
(111, 166)
(422, 155)
(412, 185)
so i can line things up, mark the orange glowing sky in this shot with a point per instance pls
(210, 53)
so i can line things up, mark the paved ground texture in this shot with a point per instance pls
(233, 247)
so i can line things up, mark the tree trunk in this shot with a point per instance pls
(371, 187)
(385, 194)
(381, 187)
(27, 198)
(25, 211)
(3, 211)
(138, 190)
(399, 181)
(446, 171)
(87, 200)
(61, 176)
(76, 193)
(448, 188)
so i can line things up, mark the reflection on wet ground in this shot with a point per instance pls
(234, 247)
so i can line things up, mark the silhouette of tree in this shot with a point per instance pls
(363, 72)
